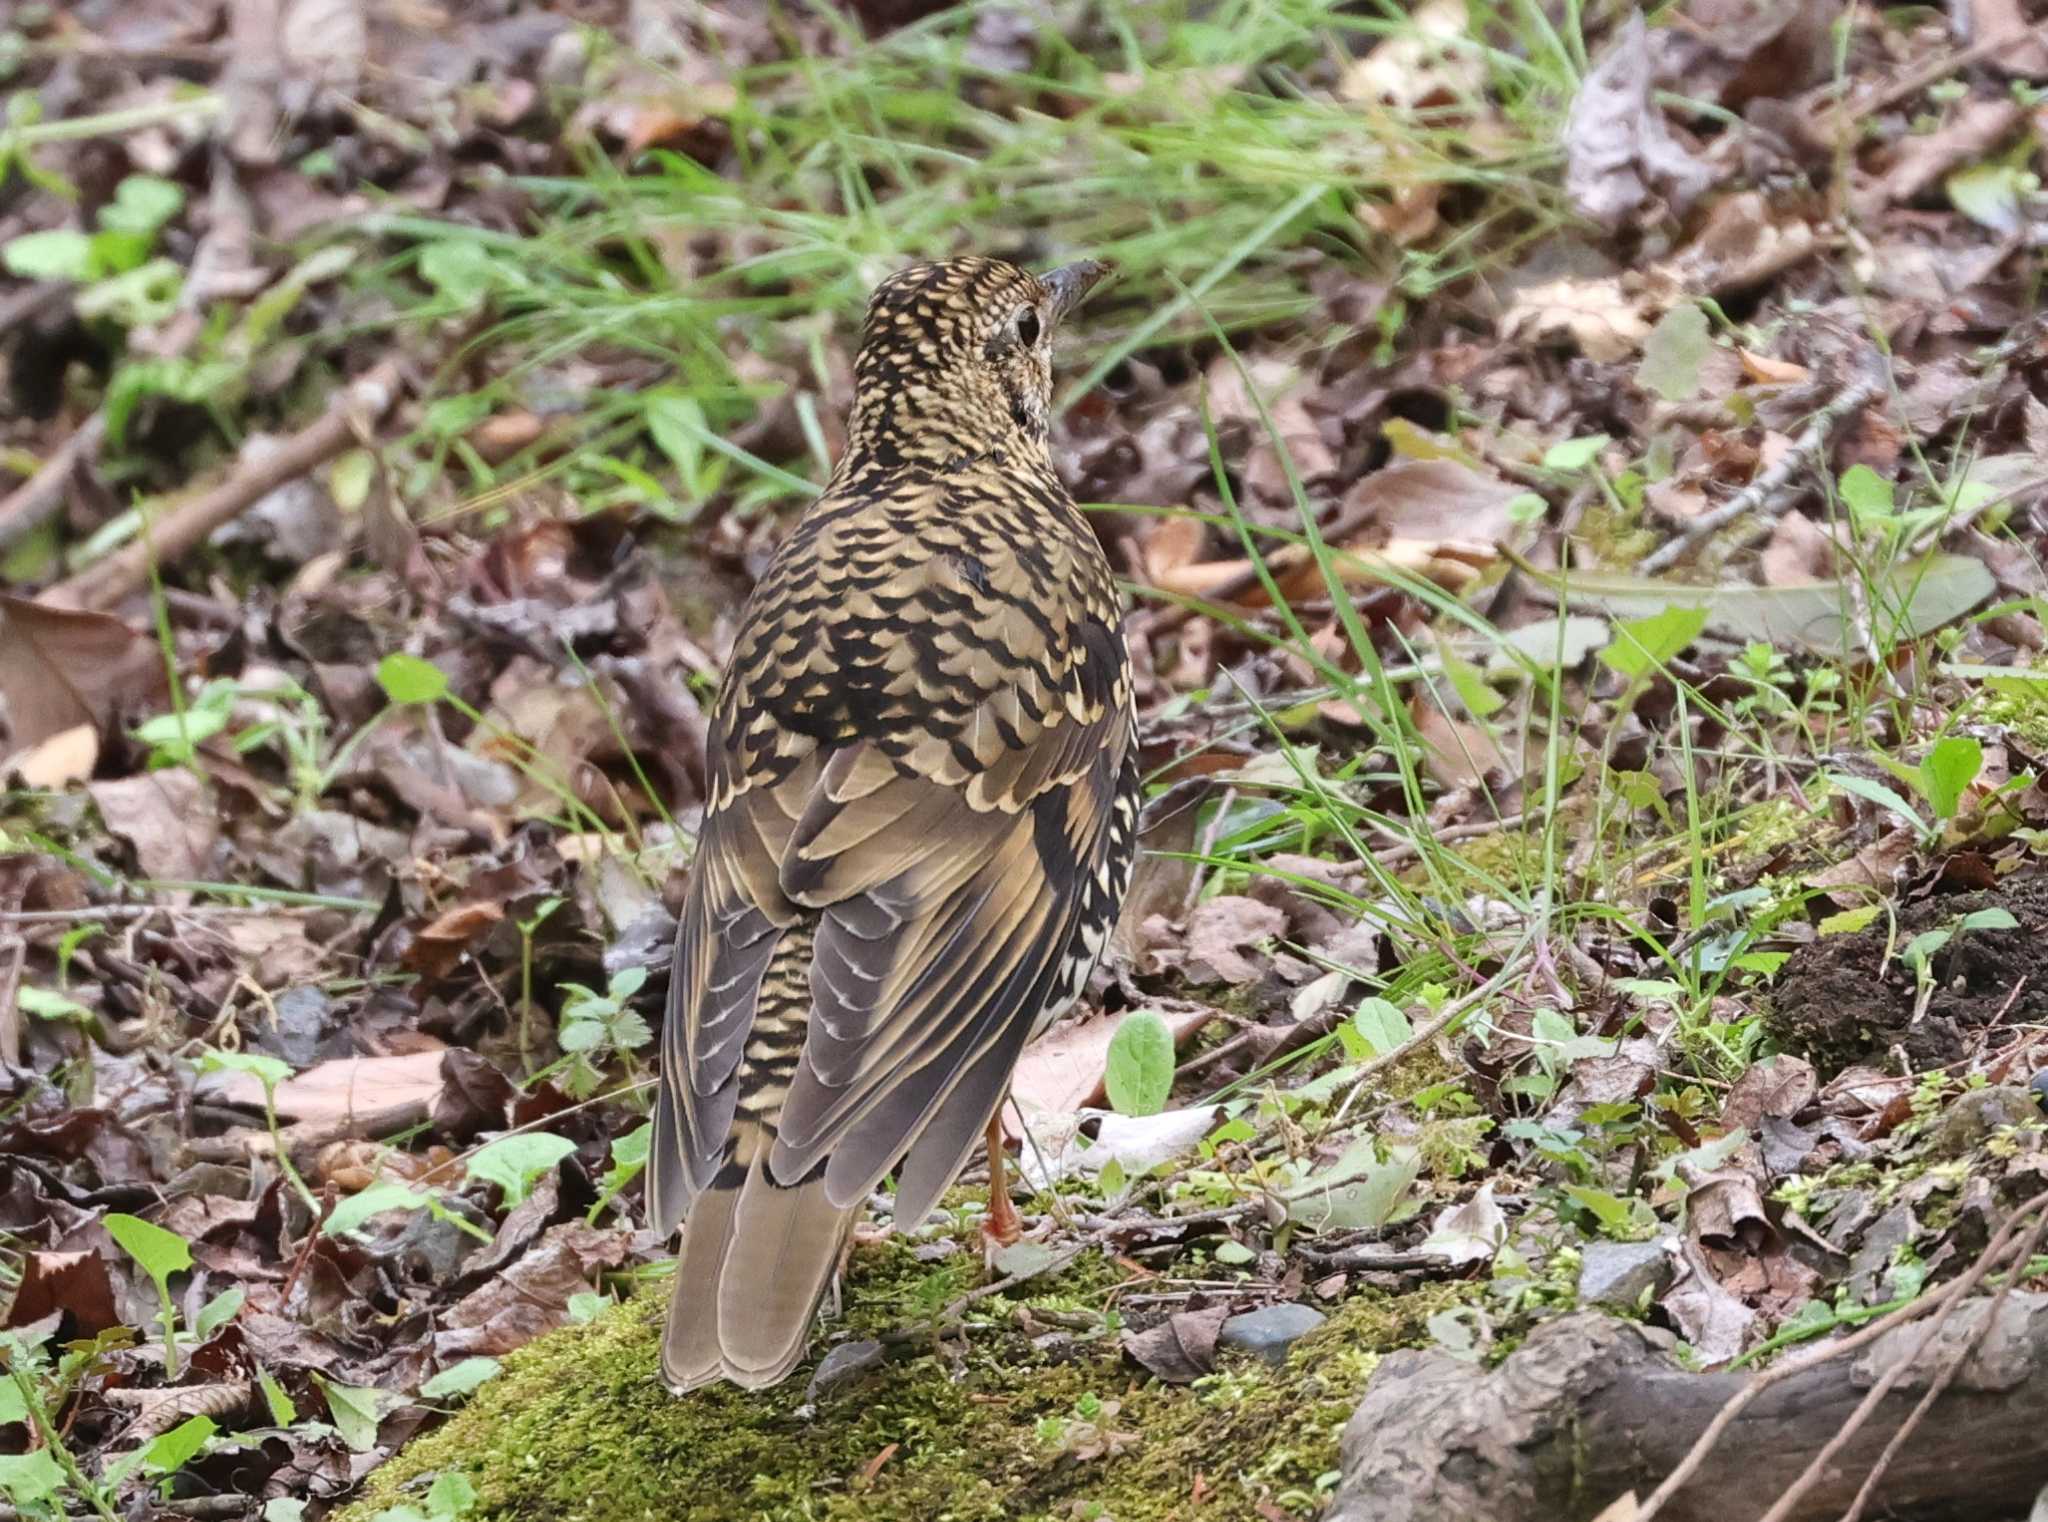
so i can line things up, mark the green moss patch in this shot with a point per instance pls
(1013, 1424)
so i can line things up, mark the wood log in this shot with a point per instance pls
(1591, 1407)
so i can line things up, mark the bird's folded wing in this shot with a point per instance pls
(945, 930)
(732, 920)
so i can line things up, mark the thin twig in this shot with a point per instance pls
(1398, 853)
(1843, 114)
(187, 525)
(1946, 1377)
(39, 498)
(143, 911)
(1767, 496)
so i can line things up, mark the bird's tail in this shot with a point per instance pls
(755, 1260)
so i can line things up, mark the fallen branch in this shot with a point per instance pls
(1769, 497)
(1837, 122)
(1591, 1406)
(187, 525)
(1941, 1301)
(38, 499)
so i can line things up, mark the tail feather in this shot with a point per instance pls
(756, 1258)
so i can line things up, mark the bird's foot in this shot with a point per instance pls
(1002, 1226)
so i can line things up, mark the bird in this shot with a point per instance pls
(921, 809)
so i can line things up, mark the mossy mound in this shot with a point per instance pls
(579, 1429)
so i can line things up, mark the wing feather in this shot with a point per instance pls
(929, 971)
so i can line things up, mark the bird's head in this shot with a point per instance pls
(955, 359)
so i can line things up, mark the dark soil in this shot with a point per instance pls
(1839, 1000)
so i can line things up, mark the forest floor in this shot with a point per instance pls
(1582, 490)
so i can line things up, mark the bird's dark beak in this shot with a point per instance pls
(1071, 283)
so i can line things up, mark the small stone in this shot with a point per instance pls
(2040, 1088)
(302, 1019)
(1268, 1332)
(1974, 1118)
(1617, 1274)
(840, 1365)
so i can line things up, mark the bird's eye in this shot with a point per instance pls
(1027, 327)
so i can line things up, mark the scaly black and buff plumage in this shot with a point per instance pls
(922, 809)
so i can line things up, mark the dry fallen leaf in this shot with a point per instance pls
(1457, 508)
(1621, 158)
(1182, 1348)
(1602, 319)
(64, 758)
(1427, 60)
(166, 817)
(1919, 162)
(438, 947)
(340, 1089)
(2026, 55)
(1215, 932)
(60, 668)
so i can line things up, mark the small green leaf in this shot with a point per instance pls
(408, 679)
(47, 1004)
(12, 1407)
(1992, 195)
(1924, 945)
(1110, 1179)
(218, 1311)
(585, 1306)
(349, 479)
(1613, 1213)
(459, 269)
(29, 1479)
(1642, 645)
(134, 298)
(282, 1411)
(1382, 1025)
(1879, 794)
(1866, 494)
(461, 1378)
(60, 254)
(1947, 770)
(161, 1253)
(353, 1213)
(142, 204)
(267, 1070)
(178, 1447)
(1988, 919)
(1139, 1071)
(515, 1163)
(677, 426)
(1471, 686)
(1357, 1191)
(1674, 352)
(1849, 921)
(451, 1495)
(284, 1509)
(1026, 1257)
(354, 1412)
(1233, 1254)
(185, 729)
(1575, 454)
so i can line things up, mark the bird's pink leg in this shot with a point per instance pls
(1001, 1227)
